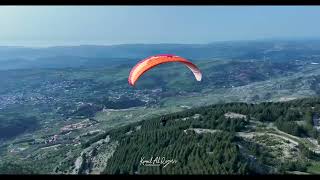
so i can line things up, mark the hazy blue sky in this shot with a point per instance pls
(64, 25)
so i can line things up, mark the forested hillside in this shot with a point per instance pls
(208, 140)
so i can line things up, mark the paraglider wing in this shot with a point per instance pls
(150, 62)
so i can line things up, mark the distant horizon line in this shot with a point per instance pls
(46, 45)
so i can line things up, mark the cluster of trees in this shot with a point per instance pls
(195, 153)
(308, 153)
(211, 153)
(300, 165)
(285, 115)
(122, 103)
(207, 153)
(87, 110)
(14, 125)
(92, 140)
(15, 168)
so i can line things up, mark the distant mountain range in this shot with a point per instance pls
(93, 55)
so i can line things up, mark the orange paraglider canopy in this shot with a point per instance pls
(150, 62)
